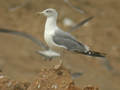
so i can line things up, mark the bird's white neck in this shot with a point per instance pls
(50, 28)
(50, 23)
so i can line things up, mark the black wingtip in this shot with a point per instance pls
(95, 54)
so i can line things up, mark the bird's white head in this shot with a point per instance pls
(49, 12)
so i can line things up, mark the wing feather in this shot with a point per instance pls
(68, 41)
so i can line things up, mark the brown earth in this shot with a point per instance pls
(56, 78)
(19, 61)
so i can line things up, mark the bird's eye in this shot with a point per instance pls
(48, 11)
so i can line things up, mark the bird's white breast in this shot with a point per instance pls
(49, 32)
(50, 29)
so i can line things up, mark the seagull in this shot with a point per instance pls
(56, 37)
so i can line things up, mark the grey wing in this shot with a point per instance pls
(66, 40)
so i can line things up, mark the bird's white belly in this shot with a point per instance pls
(49, 40)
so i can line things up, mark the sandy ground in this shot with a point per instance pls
(19, 61)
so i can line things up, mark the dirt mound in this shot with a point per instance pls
(57, 78)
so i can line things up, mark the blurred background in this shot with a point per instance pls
(18, 58)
